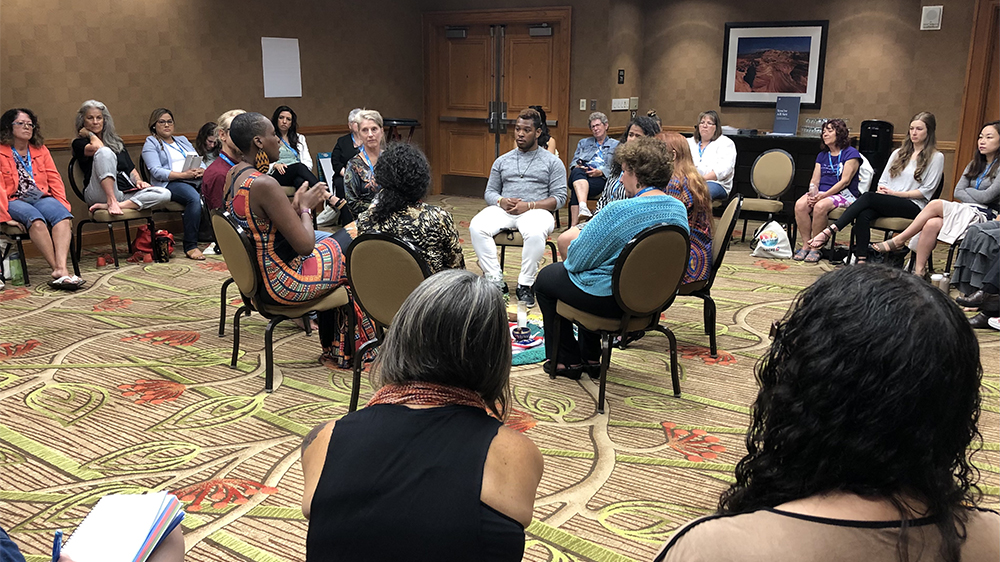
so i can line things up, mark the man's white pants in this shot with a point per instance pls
(534, 225)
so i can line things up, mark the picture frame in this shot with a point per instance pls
(762, 60)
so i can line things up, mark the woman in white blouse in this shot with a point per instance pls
(714, 154)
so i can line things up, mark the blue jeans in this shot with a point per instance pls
(187, 195)
(47, 209)
(716, 190)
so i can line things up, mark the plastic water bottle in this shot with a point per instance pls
(16, 274)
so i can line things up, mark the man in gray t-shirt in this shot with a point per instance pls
(525, 186)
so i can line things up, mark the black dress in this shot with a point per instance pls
(404, 484)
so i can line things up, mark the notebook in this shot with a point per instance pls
(124, 528)
(191, 161)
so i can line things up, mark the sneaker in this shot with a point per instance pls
(505, 291)
(585, 212)
(210, 250)
(994, 323)
(526, 295)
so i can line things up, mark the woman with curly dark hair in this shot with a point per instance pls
(404, 175)
(862, 455)
(834, 184)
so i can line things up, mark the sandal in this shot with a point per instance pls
(339, 205)
(889, 245)
(195, 254)
(66, 283)
(572, 373)
(801, 254)
(813, 256)
(821, 239)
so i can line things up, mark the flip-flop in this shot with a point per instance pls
(78, 281)
(801, 254)
(813, 256)
(64, 283)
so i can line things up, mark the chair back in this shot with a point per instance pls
(772, 173)
(143, 171)
(724, 232)
(382, 271)
(72, 171)
(938, 189)
(866, 173)
(238, 252)
(650, 268)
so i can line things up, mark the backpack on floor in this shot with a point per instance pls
(771, 241)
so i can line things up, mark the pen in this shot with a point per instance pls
(57, 546)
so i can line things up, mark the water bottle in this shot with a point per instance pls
(16, 274)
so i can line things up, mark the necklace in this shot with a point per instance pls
(530, 162)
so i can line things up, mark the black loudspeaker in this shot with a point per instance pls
(875, 143)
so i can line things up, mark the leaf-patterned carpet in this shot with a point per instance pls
(125, 386)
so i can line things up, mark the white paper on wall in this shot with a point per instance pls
(282, 73)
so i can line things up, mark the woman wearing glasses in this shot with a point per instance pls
(164, 156)
(32, 195)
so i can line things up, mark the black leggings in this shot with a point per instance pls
(869, 207)
(553, 284)
(294, 175)
(346, 216)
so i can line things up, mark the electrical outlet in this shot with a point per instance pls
(619, 104)
(583, 104)
(633, 103)
(593, 105)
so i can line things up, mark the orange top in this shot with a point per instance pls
(47, 178)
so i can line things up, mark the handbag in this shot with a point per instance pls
(771, 241)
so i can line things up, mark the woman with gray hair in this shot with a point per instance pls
(428, 459)
(110, 179)
(359, 179)
(345, 149)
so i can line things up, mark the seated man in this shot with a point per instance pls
(525, 186)
(591, 167)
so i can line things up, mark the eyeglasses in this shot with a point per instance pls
(165, 122)
(25, 124)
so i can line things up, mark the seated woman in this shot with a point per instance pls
(689, 188)
(977, 272)
(864, 455)
(295, 265)
(207, 144)
(977, 199)
(360, 186)
(164, 155)
(399, 210)
(834, 184)
(906, 185)
(583, 280)
(32, 195)
(428, 459)
(590, 167)
(110, 180)
(613, 190)
(294, 164)
(347, 147)
(716, 154)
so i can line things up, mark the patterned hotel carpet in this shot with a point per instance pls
(125, 386)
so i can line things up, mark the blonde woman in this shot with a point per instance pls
(359, 177)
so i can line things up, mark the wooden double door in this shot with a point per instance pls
(482, 69)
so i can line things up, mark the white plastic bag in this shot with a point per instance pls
(771, 241)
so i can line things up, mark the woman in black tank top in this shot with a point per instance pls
(426, 471)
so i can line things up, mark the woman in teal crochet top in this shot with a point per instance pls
(583, 280)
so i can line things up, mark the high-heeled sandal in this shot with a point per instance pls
(340, 203)
(889, 245)
(821, 239)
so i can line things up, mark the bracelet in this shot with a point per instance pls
(500, 202)
(306, 211)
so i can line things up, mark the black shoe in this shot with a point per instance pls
(975, 300)
(568, 372)
(980, 321)
(526, 295)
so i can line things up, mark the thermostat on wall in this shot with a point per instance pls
(930, 19)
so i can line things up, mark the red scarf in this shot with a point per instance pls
(426, 394)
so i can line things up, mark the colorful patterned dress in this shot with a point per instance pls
(700, 223)
(291, 278)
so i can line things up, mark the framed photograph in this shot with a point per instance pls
(764, 60)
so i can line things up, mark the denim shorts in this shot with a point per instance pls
(48, 209)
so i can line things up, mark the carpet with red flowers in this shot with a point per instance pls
(125, 386)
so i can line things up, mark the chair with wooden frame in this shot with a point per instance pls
(703, 289)
(241, 259)
(368, 258)
(644, 283)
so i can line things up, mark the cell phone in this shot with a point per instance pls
(581, 162)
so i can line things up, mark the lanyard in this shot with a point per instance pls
(979, 180)
(839, 169)
(644, 190)
(226, 158)
(295, 152)
(701, 151)
(364, 156)
(173, 146)
(27, 163)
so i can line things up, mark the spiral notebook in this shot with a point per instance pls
(124, 528)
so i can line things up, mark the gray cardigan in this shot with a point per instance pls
(157, 160)
(988, 194)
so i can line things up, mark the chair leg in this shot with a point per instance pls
(605, 363)
(222, 306)
(236, 334)
(358, 366)
(269, 353)
(114, 246)
(553, 248)
(556, 329)
(73, 257)
(503, 253)
(743, 234)
(79, 241)
(675, 380)
(951, 255)
(710, 325)
(24, 262)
